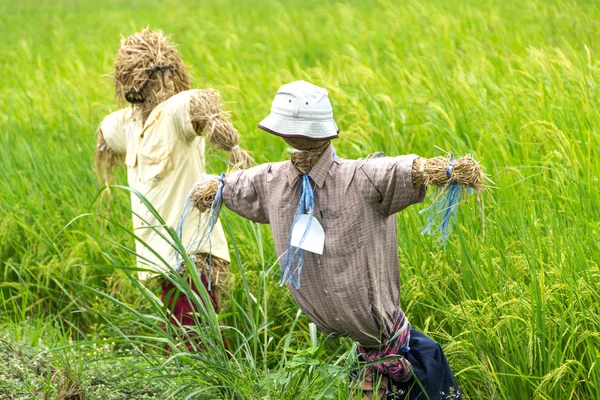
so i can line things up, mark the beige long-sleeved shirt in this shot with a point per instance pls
(353, 288)
(164, 158)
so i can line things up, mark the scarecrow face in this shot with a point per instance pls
(149, 70)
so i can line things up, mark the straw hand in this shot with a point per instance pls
(440, 171)
(203, 194)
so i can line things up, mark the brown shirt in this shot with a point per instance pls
(353, 288)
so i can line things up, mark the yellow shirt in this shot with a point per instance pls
(164, 158)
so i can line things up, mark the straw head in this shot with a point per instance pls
(148, 63)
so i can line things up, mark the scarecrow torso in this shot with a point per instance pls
(164, 159)
(353, 287)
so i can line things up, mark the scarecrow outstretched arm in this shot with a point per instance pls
(209, 120)
(110, 146)
(387, 183)
(243, 193)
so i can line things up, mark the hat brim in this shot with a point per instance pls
(299, 128)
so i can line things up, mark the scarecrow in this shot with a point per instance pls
(161, 137)
(334, 230)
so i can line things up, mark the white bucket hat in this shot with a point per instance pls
(301, 110)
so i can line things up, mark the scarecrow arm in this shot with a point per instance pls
(110, 146)
(210, 121)
(242, 193)
(387, 184)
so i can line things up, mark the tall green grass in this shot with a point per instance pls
(517, 84)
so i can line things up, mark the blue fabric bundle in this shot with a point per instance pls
(305, 205)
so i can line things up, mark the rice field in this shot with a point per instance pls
(514, 298)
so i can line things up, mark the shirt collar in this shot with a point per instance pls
(318, 173)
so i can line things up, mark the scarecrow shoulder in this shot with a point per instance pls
(386, 183)
(118, 117)
(244, 193)
(254, 175)
(278, 167)
(180, 111)
(384, 163)
(113, 131)
(177, 101)
(208, 93)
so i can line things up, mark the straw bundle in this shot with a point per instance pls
(137, 56)
(209, 121)
(223, 134)
(204, 104)
(217, 270)
(434, 172)
(203, 195)
(305, 160)
(240, 158)
(105, 160)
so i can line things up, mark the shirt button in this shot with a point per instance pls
(319, 262)
(326, 291)
(337, 318)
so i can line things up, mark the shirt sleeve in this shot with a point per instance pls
(114, 132)
(244, 193)
(386, 183)
(178, 108)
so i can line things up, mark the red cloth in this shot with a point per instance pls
(181, 309)
(399, 369)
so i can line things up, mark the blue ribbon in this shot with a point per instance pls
(445, 208)
(204, 232)
(306, 204)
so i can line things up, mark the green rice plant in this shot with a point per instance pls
(191, 362)
(513, 298)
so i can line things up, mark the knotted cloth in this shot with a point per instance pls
(398, 369)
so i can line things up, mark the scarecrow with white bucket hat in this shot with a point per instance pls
(161, 138)
(334, 228)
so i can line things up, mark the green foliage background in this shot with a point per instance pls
(514, 302)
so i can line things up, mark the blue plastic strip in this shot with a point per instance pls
(205, 228)
(305, 205)
(444, 209)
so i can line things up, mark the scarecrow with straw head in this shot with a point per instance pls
(161, 137)
(334, 230)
